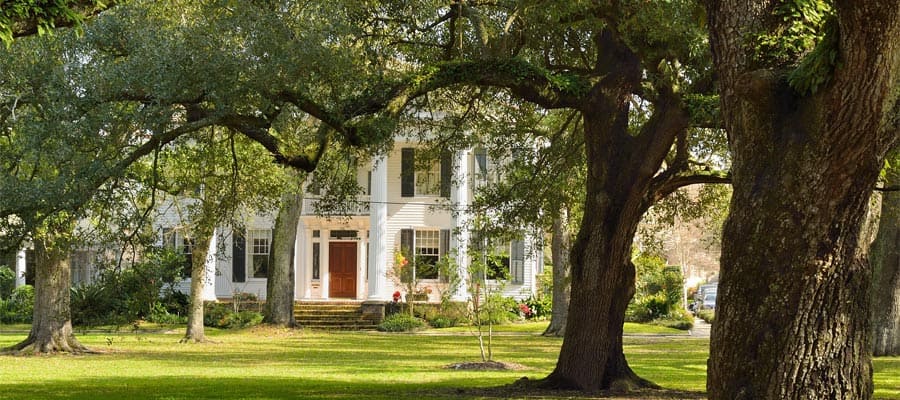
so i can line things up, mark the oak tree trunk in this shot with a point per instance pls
(51, 327)
(621, 167)
(793, 307)
(280, 286)
(885, 258)
(591, 357)
(195, 330)
(559, 251)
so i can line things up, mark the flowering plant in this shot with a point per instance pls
(396, 296)
(424, 290)
(525, 310)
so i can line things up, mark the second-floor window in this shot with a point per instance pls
(431, 179)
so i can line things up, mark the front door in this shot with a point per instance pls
(342, 269)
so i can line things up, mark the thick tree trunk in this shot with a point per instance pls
(619, 189)
(51, 328)
(280, 286)
(195, 330)
(559, 251)
(885, 258)
(793, 307)
(618, 184)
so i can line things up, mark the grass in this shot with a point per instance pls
(538, 327)
(266, 363)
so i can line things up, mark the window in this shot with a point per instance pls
(258, 252)
(432, 180)
(316, 256)
(176, 239)
(426, 246)
(185, 246)
(343, 234)
(428, 181)
(504, 262)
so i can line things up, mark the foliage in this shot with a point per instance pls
(441, 321)
(807, 32)
(707, 315)
(223, 316)
(401, 322)
(122, 296)
(658, 290)
(679, 319)
(540, 306)
(19, 307)
(7, 281)
(27, 17)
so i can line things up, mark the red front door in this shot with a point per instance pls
(342, 269)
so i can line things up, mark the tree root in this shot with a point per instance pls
(554, 331)
(47, 345)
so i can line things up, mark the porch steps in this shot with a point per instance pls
(333, 316)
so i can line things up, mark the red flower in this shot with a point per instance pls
(525, 309)
(396, 296)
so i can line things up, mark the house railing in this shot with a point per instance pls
(358, 207)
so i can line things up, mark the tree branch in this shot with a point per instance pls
(661, 189)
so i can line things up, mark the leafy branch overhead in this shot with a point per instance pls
(20, 18)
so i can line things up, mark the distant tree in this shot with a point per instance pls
(215, 178)
(885, 259)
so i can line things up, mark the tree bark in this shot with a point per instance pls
(619, 189)
(195, 330)
(885, 258)
(561, 282)
(793, 307)
(51, 327)
(280, 286)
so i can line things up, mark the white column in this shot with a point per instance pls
(361, 260)
(20, 268)
(302, 263)
(378, 232)
(209, 282)
(459, 241)
(324, 272)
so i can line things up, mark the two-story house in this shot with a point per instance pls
(424, 211)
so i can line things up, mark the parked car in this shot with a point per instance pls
(709, 301)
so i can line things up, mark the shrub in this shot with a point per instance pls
(541, 306)
(218, 315)
(679, 319)
(160, 314)
(441, 321)
(401, 323)
(97, 304)
(7, 281)
(122, 296)
(19, 308)
(707, 315)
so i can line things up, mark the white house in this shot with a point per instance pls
(349, 258)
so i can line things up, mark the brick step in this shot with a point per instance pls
(335, 322)
(340, 328)
(326, 307)
(333, 315)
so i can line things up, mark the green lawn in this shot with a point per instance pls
(537, 328)
(273, 364)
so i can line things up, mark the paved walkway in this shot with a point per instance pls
(700, 329)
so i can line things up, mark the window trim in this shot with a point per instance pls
(250, 250)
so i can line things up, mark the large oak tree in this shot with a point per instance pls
(809, 130)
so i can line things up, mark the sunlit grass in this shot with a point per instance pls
(269, 363)
(538, 327)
